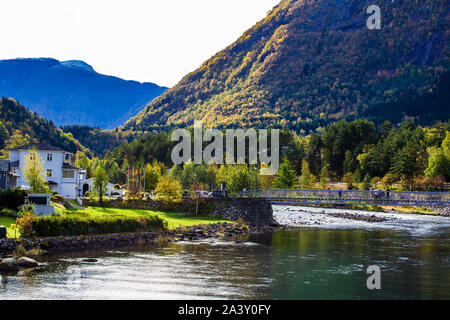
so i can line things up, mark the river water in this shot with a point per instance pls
(318, 257)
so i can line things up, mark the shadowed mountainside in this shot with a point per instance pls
(71, 92)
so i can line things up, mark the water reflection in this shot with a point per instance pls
(297, 263)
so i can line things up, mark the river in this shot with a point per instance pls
(318, 257)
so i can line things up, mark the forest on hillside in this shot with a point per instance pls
(98, 140)
(310, 63)
(20, 126)
(356, 152)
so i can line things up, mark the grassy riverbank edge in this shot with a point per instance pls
(174, 219)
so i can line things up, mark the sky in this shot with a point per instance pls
(156, 41)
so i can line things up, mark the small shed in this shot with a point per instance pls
(41, 202)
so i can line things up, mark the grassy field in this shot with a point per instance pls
(7, 222)
(172, 218)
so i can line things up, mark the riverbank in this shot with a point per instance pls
(445, 212)
(316, 262)
(221, 230)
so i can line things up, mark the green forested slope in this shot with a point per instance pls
(310, 62)
(29, 126)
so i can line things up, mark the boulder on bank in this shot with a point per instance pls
(26, 263)
(9, 265)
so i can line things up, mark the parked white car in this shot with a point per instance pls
(202, 194)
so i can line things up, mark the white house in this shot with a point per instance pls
(86, 185)
(62, 177)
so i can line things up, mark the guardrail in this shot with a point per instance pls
(351, 197)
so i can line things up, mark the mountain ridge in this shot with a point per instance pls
(309, 61)
(48, 86)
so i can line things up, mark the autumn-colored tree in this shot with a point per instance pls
(33, 172)
(305, 179)
(349, 180)
(100, 183)
(17, 139)
(168, 191)
(152, 176)
(388, 180)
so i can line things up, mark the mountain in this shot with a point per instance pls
(32, 127)
(71, 92)
(310, 62)
(100, 141)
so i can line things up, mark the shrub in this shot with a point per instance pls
(25, 224)
(8, 213)
(56, 214)
(376, 180)
(26, 208)
(388, 180)
(57, 198)
(12, 198)
(20, 251)
(74, 225)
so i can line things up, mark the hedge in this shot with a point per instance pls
(12, 198)
(87, 225)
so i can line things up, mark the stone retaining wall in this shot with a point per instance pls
(250, 210)
(7, 246)
(70, 243)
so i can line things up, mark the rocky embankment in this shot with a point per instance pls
(195, 233)
(443, 211)
(357, 217)
(12, 264)
(218, 230)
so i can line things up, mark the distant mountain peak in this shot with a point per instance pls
(72, 92)
(77, 64)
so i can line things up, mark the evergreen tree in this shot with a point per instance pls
(349, 164)
(405, 163)
(324, 177)
(286, 176)
(366, 183)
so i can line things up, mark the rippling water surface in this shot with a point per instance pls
(321, 257)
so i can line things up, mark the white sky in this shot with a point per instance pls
(156, 41)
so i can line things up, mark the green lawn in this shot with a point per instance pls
(172, 217)
(7, 222)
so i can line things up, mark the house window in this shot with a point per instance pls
(49, 173)
(32, 156)
(68, 174)
(50, 157)
(67, 157)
